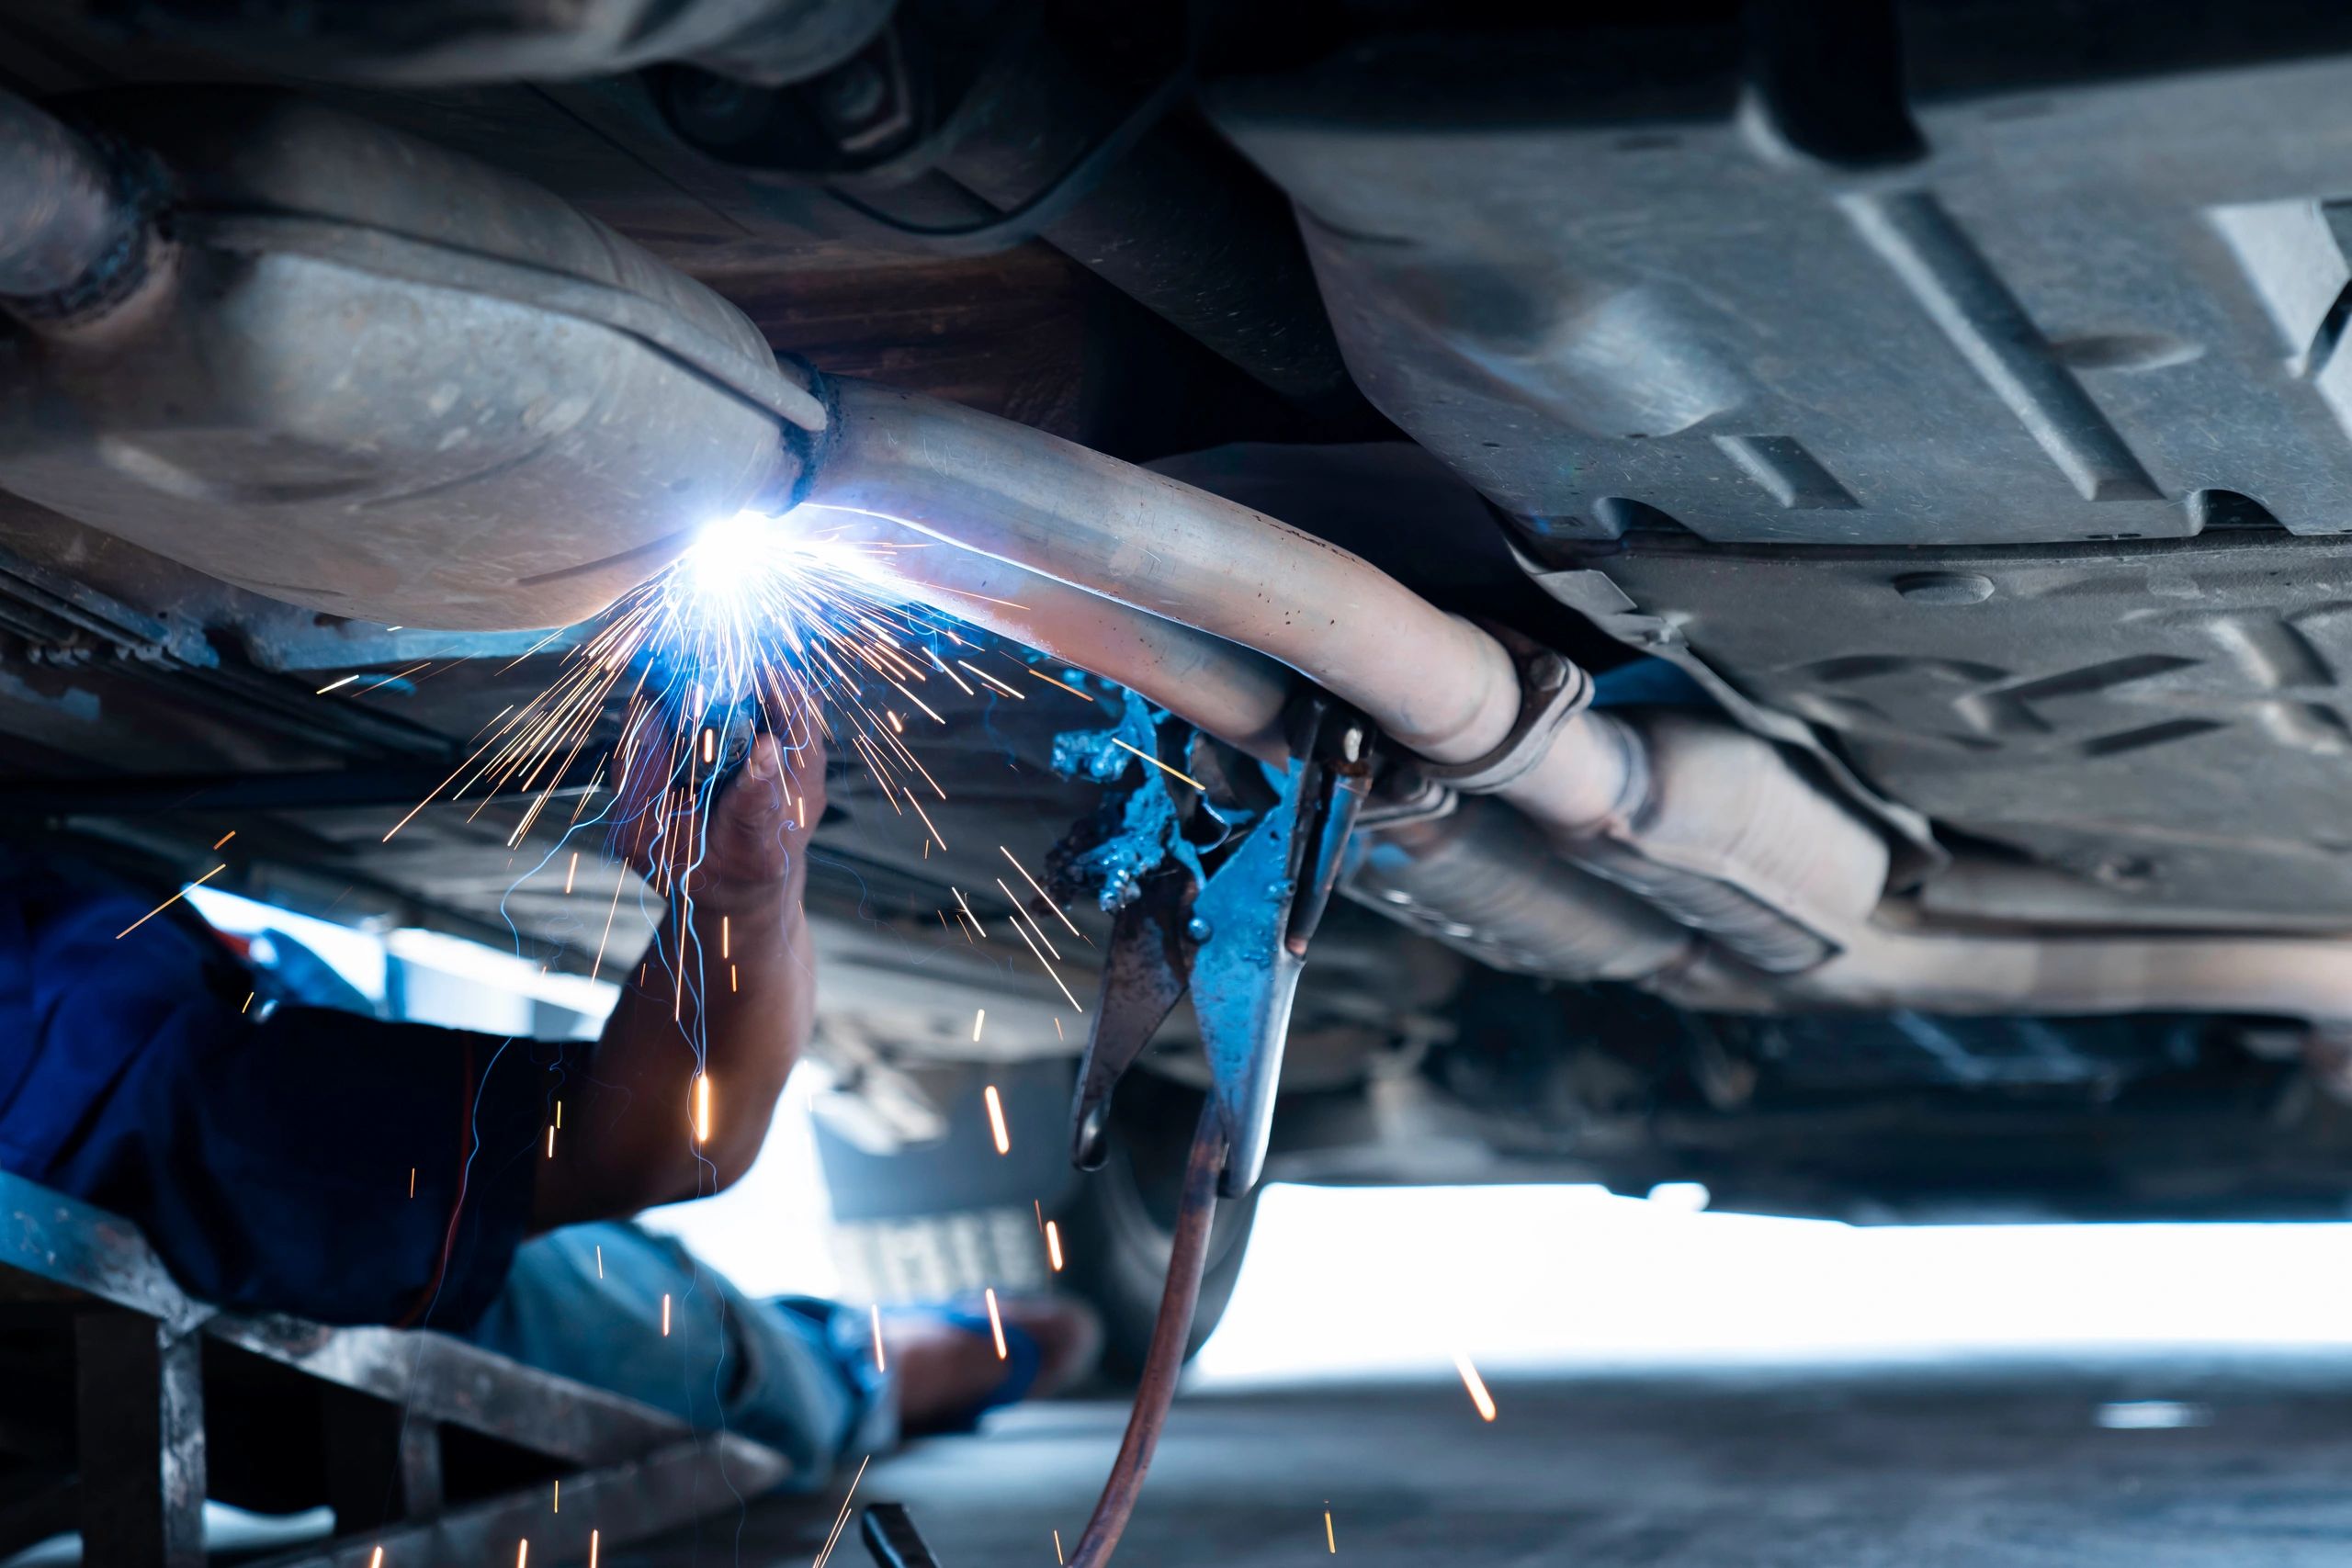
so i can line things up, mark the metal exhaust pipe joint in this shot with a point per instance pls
(1709, 824)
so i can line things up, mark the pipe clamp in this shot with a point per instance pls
(1552, 689)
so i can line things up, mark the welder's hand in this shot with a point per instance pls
(759, 827)
(750, 851)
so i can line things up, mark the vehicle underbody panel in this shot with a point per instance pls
(1925, 424)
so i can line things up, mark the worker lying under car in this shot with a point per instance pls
(285, 1157)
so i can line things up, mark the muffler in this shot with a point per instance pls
(329, 363)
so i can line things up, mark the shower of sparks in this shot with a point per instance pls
(1476, 1385)
(1053, 1244)
(1156, 762)
(1330, 1542)
(979, 1019)
(841, 1521)
(996, 1121)
(881, 1363)
(765, 625)
(996, 1326)
(702, 1107)
(665, 1320)
(169, 902)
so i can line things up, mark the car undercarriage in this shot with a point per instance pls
(1806, 546)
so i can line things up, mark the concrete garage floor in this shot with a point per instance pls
(1913, 1464)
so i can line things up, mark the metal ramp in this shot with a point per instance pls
(124, 1404)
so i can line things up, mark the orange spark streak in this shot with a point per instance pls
(1053, 1244)
(224, 838)
(1019, 910)
(1160, 765)
(843, 1520)
(1050, 973)
(169, 902)
(1476, 1385)
(996, 1326)
(1041, 891)
(919, 811)
(994, 685)
(1061, 685)
(996, 1121)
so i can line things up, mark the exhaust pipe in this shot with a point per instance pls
(1974, 973)
(63, 211)
(1705, 822)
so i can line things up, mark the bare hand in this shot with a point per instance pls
(748, 852)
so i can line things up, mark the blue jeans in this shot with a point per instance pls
(795, 1374)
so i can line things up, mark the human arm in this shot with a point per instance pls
(748, 997)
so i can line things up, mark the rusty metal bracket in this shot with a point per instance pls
(381, 1399)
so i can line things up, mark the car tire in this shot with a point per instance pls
(943, 1220)
(1118, 1226)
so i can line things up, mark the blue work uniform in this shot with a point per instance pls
(352, 1170)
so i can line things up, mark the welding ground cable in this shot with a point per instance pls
(891, 1536)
